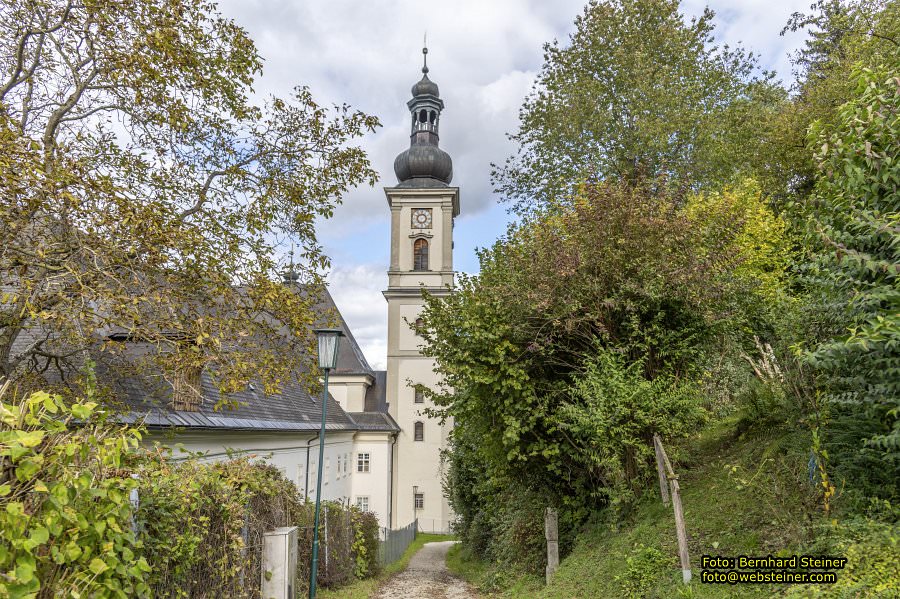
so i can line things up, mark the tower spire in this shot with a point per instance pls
(290, 275)
(424, 164)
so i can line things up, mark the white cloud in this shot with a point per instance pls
(357, 292)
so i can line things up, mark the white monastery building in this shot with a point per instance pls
(382, 453)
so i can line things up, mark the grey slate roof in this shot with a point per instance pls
(376, 394)
(147, 400)
(374, 421)
(146, 397)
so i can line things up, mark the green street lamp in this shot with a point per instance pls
(328, 351)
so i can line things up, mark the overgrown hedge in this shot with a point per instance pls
(68, 483)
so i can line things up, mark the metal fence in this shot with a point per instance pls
(434, 525)
(394, 542)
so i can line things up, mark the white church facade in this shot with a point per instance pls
(382, 452)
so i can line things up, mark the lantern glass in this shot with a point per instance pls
(328, 347)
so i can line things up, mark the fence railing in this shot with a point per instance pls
(394, 542)
(434, 525)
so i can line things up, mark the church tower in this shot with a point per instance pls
(423, 206)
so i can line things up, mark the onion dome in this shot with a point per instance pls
(424, 164)
(425, 87)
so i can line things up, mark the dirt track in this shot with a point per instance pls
(427, 577)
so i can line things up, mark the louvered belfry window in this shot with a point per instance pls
(420, 254)
(419, 431)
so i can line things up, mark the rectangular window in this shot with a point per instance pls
(420, 397)
(362, 462)
(362, 503)
(327, 471)
(346, 463)
(338, 475)
(420, 501)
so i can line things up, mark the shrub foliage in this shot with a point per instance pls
(85, 512)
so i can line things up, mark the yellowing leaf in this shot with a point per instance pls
(98, 566)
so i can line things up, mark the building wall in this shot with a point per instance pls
(349, 390)
(295, 454)
(375, 484)
(418, 463)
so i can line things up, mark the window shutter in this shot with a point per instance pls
(187, 393)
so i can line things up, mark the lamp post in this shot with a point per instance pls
(328, 350)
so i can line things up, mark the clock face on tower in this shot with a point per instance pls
(421, 218)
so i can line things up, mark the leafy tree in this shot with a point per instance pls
(636, 93)
(840, 34)
(764, 250)
(142, 191)
(855, 216)
(624, 276)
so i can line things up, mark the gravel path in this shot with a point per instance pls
(427, 577)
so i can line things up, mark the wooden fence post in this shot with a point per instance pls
(661, 470)
(680, 529)
(682, 533)
(551, 531)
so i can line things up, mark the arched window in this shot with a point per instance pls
(431, 117)
(420, 255)
(423, 116)
(419, 434)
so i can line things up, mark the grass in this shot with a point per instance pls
(362, 589)
(486, 578)
(746, 495)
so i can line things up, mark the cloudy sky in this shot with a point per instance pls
(484, 55)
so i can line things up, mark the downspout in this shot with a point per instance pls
(390, 518)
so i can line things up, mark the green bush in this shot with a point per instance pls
(365, 543)
(612, 416)
(642, 570)
(853, 230)
(871, 545)
(199, 522)
(65, 514)
(69, 477)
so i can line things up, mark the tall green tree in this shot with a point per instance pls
(143, 190)
(839, 35)
(855, 225)
(624, 273)
(636, 92)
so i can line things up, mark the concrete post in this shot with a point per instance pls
(279, 565)
(551, 531)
